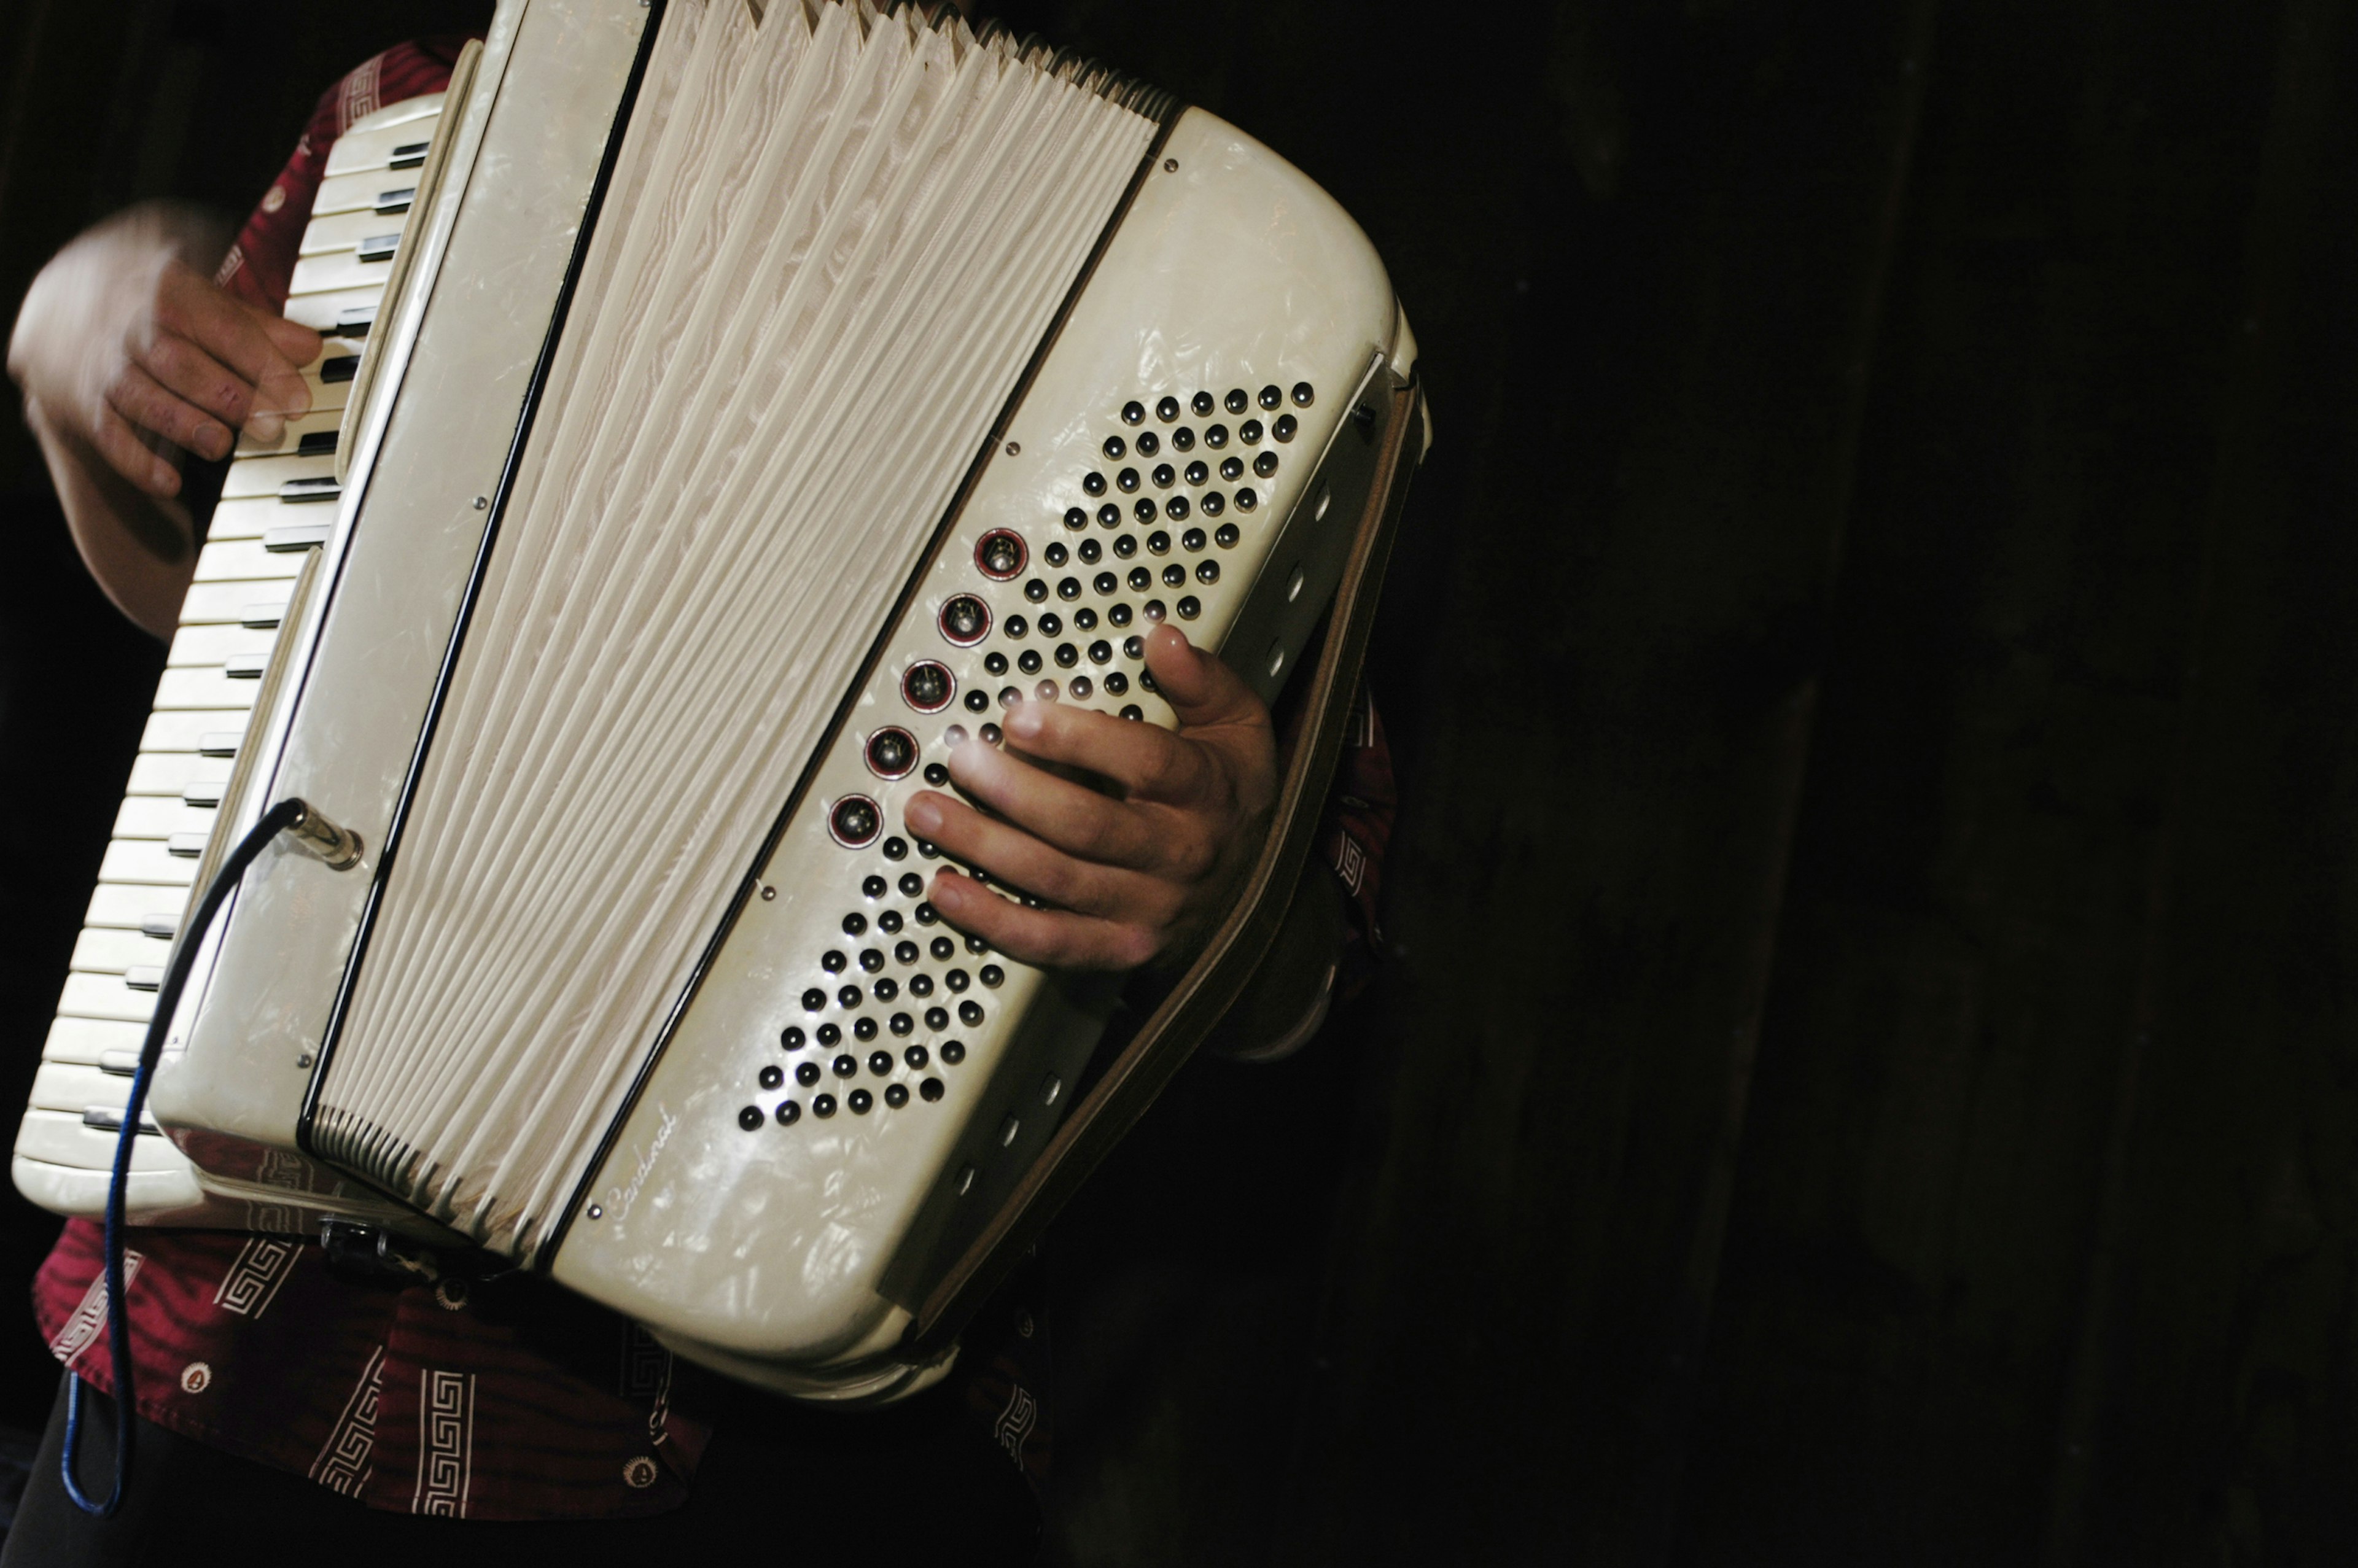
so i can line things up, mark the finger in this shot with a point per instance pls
(1014, 856)
(240, 336)
(295, 343)
(1198, 686)
(1073, 818)
(195, 377)
(148, 405)
(1046, 938)
(1146, 760)
(132, 458)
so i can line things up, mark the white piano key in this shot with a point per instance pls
(107, 951)
(321, 311)
(330, 378)
(89, 1040)
(334, 271)
(425, 106)
(263, 476)
(243, 560)
(105, 996)
(59, 1138)
(217, 644)
(130, 905)
(232, 603)
(206, 687)
(159, 816)
(387, 147)
(345, 230)
(146, 860)
(70, 1085)
(245, 517)
(187, 730)
(63, 1189)
(379, 192)
(170, 773)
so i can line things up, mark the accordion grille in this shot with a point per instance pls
(832, 243)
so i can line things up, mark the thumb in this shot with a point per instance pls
(1198, 686)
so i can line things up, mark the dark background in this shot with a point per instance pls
(1865, 1071)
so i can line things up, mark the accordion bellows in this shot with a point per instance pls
(763, 401)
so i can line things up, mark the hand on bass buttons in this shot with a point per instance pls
(1134, 876)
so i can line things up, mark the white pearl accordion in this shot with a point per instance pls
(750, 405)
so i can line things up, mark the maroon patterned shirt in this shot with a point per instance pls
(502, 1399)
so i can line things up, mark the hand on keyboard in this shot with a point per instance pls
(1134, 876)
(126, 349)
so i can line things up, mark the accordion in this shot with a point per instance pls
(727, 409)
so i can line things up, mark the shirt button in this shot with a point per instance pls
(196, 1378)
(640, 1473)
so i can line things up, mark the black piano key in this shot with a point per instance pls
(323, 487)
(408, 155)
(343, 367)
(317, 444)
(389, 201)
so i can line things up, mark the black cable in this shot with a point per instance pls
(283, 816)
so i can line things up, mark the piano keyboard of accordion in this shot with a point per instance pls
(276, 509)
(773, 398)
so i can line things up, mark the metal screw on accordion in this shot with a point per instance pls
(597, 1211)
(1170, 165)
(1014, 449)
(483, 502)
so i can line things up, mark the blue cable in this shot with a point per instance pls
(279, 817)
